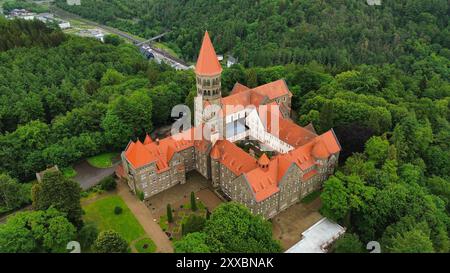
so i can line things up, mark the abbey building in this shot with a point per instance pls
(252, 152)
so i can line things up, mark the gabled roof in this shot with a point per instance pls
(288, 131)
(238, 88)
(264, 183)
(234, 158)
(162, 151)
(273, 89)
(207, 62)
(243, 96)
(138, 155)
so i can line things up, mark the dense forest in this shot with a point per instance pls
(337, 33)
(380, 76)
(63, 98)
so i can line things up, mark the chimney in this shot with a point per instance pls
(157, 141)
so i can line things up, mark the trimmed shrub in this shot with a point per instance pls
(140, 195)
(169, 214)
(118, 210)
(193, 202)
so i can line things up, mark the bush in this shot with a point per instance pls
(140, 195)
(117, 210)
(193, 202)
(87, 235)
(169, 214)
(108, 183)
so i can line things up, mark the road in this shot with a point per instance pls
(172, 60)
(88, 176)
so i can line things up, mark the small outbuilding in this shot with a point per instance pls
(318, 238)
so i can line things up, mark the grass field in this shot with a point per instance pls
(145, 245)
(102, 161)
(101, 212)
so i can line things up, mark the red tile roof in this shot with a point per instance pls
(147, 140)
(243, 96)
(234, 158)
(120, 172)
(264, 182)
(273, 89)
(207, 62)
(162, 151)
(263, 160)
(288, 131)
(215, 152)
(138, 155)
(238, 88)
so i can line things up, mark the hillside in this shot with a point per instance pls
(339, 34)
(384, 88)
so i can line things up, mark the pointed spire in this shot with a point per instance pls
(263, 161)
(215, 153)
(207, 62)
(148, 140)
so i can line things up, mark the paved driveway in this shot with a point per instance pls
(89, 176)
(289, 224)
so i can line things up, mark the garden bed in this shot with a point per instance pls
(179, 215)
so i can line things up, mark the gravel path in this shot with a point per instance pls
(145, 218)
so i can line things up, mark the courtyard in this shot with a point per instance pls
(179, 198)
(288, 226)
(179, 195)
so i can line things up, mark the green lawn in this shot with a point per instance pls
(101, 212)
(69, 172)
(102, 161)
(145, 245)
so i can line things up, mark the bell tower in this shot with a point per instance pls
(208, 73)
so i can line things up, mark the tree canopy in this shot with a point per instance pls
(59, 192)
(36, 231)
(231, 228)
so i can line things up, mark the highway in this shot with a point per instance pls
(160, 54)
